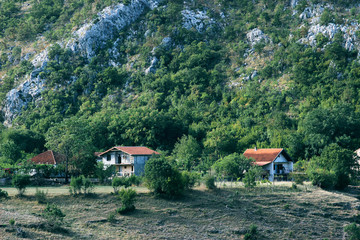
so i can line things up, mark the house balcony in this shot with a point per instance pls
(124, 162)
(125, 174)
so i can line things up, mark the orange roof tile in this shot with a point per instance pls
(132, 150)
(265, 156)
(49, 157)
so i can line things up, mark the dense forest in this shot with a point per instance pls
(210, 92)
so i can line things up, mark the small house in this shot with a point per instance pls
(127, 160)
(49, 157)
(275, 162)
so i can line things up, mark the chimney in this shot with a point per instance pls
(255, 148)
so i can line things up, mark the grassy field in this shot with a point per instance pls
(279, 212)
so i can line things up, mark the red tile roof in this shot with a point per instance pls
(132, 150)
(266, 155)
(49, 157)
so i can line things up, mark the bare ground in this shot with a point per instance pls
(279, 212)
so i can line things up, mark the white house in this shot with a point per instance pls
(275, 161)
(127, 160)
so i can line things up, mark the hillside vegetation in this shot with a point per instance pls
(214, 76)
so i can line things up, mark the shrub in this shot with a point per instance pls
(3, 194)
(128, 198)
(233, 166)
(162, 178)
(76, 185)
(40, 196)
(250, 176)
(81, 183)
(20, 182)
(210, 182)
(119, 182)
(12, 222)
(190, 179)
(53, 215)
(88, 186)
(111, 218)
(252, 233)
(353, 231)
(135, 180)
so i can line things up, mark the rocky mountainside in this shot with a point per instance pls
(230, 74)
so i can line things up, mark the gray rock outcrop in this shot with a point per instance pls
(256, 36)
(198, 20)
(85, 41)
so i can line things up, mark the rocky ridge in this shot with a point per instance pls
(85, 41)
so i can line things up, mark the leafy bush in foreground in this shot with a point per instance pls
(20, 182)
(128, 198)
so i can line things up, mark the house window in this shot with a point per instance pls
(108, 157)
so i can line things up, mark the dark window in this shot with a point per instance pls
(109, 157)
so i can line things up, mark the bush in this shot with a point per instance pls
(12, 222)
(353, 231)
(190, 179)
(119, 182)
(128, 198)
(333, 168)
(111, 218)
(3, 194)
(20, 182)
(162, 178)
(76, 185)
(53, 215)
(88, 186)
(81, 183)
(40, 196)
(210, 182)
(135, 180)
(250, 176)
(252, 233)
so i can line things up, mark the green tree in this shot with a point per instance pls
(187, 152)
(162, 178)
(333, 168)
(71, 137)
(233, 166)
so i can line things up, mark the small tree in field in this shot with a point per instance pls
(20, 182)
(128, 198)
(233, 166)
(250, 176)
(162, 178)
(119, 182)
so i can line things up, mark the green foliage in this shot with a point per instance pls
(190, 179)
(353, 231)
(187, 153)
(41, 196)
(20, 182)
(81, 184)
(103, 174)
(162, 178)
(251, 176)
(119, 182)
(53, 215)
(128, 198)
(210, 182)
(3, 194)
(233, 166)
(111, 218)
(12, 222)
(333, 168)
(252, 233)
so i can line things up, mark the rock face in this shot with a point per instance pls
(92, 36)
(256, 36)
(348, 29)
(85, 41)
(198, 20)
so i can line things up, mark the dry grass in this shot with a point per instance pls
(279, 211)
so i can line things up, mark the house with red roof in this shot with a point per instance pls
(127, 160)
(49, 157)
(276, 163)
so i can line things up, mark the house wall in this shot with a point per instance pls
(111, 162)
(288, 166)
(139, 164)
